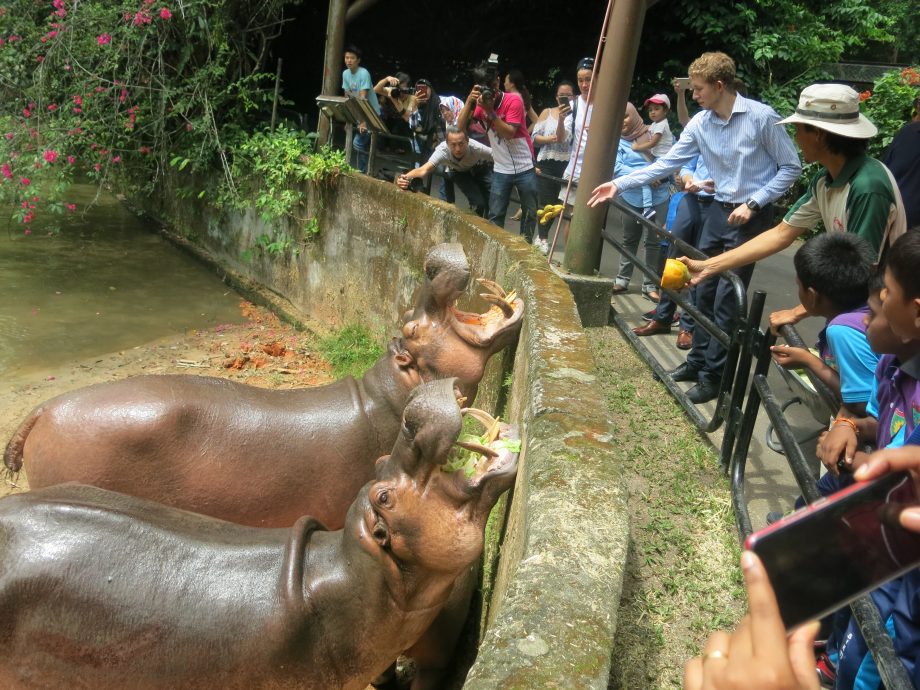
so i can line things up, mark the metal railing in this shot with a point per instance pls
(738, 356)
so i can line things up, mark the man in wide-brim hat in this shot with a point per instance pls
(853, 193)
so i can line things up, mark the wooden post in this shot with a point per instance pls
(275, 99)
(332, 60)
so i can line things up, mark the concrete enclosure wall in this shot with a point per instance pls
(551, 619)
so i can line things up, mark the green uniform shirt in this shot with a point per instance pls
(864, 200)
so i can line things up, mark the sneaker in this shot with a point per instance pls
(774, 516)
(649, 214)
(827, 672)
(542, 245)
(650, 315)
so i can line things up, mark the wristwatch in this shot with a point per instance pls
(753, 205)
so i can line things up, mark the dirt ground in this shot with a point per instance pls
(261, 351)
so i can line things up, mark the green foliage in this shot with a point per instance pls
(888, 105)
(351, 351)
(119, 89)
(268, 171)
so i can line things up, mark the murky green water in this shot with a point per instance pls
(103, 284)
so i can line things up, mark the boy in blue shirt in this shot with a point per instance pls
(356, 82)
(832, 273)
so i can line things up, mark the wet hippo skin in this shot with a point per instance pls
(102, 590)
(255, 456)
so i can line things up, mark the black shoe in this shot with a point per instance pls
(650, 315)
(774, 516)
(684, 373)
(703, 392)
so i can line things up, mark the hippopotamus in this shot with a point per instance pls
(264, 457)
(103, 590)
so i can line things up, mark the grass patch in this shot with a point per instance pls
(682, 579)
(350, 351)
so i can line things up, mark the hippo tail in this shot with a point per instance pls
(12, 456)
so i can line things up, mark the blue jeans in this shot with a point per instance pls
(362, 146)
(475, 185)
(526, 183)
(714, 297)
(688, 223)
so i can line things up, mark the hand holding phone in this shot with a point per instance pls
(758, 648)
(681, 83)
(831, 552)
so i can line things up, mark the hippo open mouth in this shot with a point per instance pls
(489, 329)
(491, 455)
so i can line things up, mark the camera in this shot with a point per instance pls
(485, 75)
(397, 91)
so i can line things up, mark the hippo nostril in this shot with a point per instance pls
(381, 535)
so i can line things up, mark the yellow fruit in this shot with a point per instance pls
(675, 276)
(558, 208)
(548, 207)
(540, 212)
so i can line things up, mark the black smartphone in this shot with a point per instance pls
(833, 551)
(562, 100)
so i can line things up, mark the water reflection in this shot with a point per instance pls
(103, 284)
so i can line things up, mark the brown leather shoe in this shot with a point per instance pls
(652, 328)
(684, 340)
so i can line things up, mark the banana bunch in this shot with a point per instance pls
(548, 212)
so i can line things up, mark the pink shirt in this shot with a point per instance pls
(513, 155)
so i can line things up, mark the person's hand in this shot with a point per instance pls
(402, 181)
(840, 443)
(564, 109)
(473, 98)
(758, 654)
(603, 192)
(893, 460)
(740, 215)
(790, 357)
(699, 270)
(784, 317)
(362, 127)
(635, 146)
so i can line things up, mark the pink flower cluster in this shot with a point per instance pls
(104, 39)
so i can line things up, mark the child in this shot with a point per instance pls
(894, 413)
(901, 298)
(832, 273)
(661, 140)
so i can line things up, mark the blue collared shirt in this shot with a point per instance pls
(748, 155)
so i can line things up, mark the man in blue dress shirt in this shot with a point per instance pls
(752, 163)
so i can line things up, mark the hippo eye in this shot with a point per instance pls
(383, 498)
(410, 428)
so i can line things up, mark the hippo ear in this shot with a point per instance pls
(404, 359)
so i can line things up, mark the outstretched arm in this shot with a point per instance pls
(765, 244)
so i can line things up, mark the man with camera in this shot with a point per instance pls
(503, 118)
(468, 167)
(397, 100)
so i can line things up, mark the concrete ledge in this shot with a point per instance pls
(552, 615)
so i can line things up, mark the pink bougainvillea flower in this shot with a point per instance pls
(67, 68)
(28, 218)
(27, 231)
(71, 207)
(116, 159)
(103, 39)
(77, 111)
(52, 107)
(8, 135)
(26, 112)
(25, 181)
(39, 58)
(50, 155)
(77, 99)
(97, 167)
(6, 171)
(165, 13)
(58, 4)
(71, 160)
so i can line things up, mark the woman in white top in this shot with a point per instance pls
(553, 153)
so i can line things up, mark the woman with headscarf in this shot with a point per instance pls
(635, 130)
